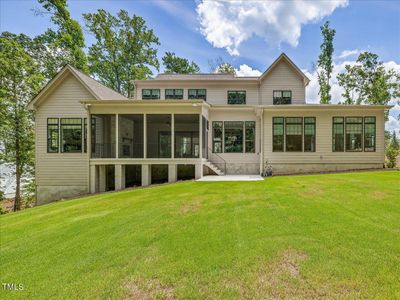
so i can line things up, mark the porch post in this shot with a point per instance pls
(102, 178)
(172, 135)
(119, 184)
(146, 175)
(172, 174)
(116, 135)
(92, 180)
(144, 136)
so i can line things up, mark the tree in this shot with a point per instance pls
(65, 45)
(394, 142)
(178, 65)
(124, 49)
(325, 63)
(368, 82)
(220, 66)
(20, 80)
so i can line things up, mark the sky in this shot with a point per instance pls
(248, 34)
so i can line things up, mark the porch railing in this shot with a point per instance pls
(103, 150)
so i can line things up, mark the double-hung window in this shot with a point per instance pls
(294, 134)
(150, 94)
(282, 97)
(173, 93)
(71, 135)
(338, 134)
(197, 94)
(217, 135)
(369, 134)
(309, 134)
(278, 125)
(236, 97)
(250, 136)
(52, 135)
(354, 134)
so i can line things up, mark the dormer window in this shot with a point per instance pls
(236, 97)
(150, 94)
(173, 93)
(197, 94)
(282, 97)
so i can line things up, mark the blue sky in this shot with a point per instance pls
(202, 31)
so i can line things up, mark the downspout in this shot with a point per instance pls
(262, 141)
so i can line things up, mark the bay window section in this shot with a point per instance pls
(354, 133)
(197, 94)
(250, 137)
(278, 134)
(71, 135)
(150, 94)
(309, 134)
(338, 134)
(217, 128)
(159, 136)
(52, 135)
(369, 134)
(173, 93)
(294, 134)
(236, 97)
(233, 131)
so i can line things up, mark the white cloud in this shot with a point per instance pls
(245, 70)
(227, 24)
(347, 53)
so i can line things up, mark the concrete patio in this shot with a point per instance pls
(231, 178)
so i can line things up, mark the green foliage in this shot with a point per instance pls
(226, 68)
(20, 80)
(65, 45)
(178, 65)
(213, 240)
(394, 141)
(325, 63)
(392, 150)
(367, 82)
(124, 49)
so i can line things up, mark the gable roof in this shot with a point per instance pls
(95, 88)
(284, 57)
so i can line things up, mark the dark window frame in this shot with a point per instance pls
(222, 137)
(302, 134)
(243, 137)
(58, 135)
(151, 97)
(283, 133)
(174, 96)
(249, 141)
(364, 133)
(343, 123)
(237, 99)
(315, 133)
(197, 96)
(282, 100)
(61, 134)
(345, 132)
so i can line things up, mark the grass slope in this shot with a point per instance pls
(332, 236)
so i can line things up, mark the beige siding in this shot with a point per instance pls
(61, 169)
(216, 93)
(324, 153)
(283, 77)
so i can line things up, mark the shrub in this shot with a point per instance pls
(391, 156)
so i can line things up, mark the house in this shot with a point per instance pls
(91, 139)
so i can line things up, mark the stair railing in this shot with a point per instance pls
(217, 160)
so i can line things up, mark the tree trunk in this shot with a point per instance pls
(17, 200)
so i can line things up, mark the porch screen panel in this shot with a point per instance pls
(186, 135)
(159, 136)
(294, 134)
(277, 134)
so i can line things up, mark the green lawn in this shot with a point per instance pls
(332, 236)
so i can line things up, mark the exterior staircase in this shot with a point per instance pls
(213, 168)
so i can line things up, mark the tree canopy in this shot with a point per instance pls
(178, 65)
(124, 49)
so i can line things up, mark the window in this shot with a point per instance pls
(233, 136)
(197, 94)
(354, 133)
(282, 97)
(236, 97)
(309, 134)
(369, 134)
(71, 135)
(294, 134)
(150, 94)
(217, 137)
(278, 134)
(173, 93)
(250, 137)
(338, 134)
(52, 135)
